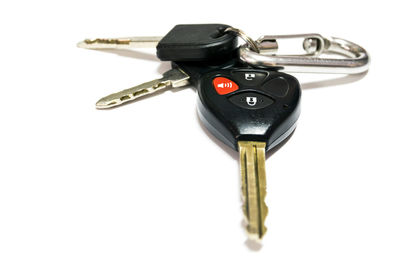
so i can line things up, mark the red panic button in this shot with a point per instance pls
(224, 86)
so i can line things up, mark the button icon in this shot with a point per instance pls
(251, 100)
(249, 76)
(224, 86)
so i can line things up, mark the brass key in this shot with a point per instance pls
(252, 170)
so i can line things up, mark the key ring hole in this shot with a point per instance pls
(250, 42)
(219, 33)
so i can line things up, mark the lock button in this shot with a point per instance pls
(249, 78)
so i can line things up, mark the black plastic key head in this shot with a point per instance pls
(197, 42)
(247, 104)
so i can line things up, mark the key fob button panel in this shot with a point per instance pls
(230, 122)
(278, 87)
(249, 78)
(251, 100)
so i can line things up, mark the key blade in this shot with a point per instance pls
(252, 168)
(172, 78)
(120, 43)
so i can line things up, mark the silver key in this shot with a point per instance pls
(172, 78)
(120, 43)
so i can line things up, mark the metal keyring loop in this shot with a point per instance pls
(250, 42)
(353, 58)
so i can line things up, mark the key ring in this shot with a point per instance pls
(249, 42)
(356, 58)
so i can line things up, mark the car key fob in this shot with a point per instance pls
(251, 110)
(238, 102)
(249, 104)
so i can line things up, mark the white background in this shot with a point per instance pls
(146, 185)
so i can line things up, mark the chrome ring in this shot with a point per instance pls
(250, 42)
(356, 59)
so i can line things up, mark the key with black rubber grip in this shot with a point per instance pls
(184, 42)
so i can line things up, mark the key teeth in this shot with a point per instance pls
(112, 41)
(172, 78)
(104, 43)
(252, 168)
(256, 233)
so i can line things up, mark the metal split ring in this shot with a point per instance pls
(250, 42)
(352, 57)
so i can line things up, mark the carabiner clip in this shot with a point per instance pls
(356, 59)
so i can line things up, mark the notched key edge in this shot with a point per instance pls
(120, 43)
(172, 78)
(252, 168)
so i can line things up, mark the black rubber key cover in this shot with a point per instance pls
(197, 42)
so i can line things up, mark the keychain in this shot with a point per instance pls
(245, 99)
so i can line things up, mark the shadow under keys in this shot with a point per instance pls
(349, 78)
